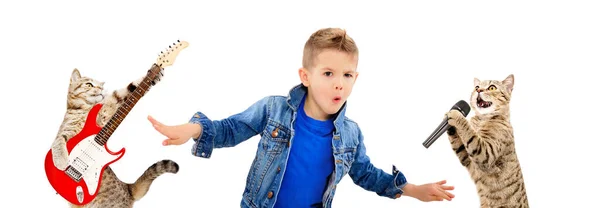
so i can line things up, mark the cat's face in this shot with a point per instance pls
(84, 90)
(492, 96)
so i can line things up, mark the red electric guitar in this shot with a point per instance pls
(80, 182)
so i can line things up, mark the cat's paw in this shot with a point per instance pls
(61, 162)
(454, 117)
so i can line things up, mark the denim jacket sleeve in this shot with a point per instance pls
(371, 178)
(230, 131)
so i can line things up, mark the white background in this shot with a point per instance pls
(417, 59)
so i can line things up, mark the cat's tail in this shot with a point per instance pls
(142, 184)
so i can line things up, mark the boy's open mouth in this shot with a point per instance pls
(337, 99)
(482, 103)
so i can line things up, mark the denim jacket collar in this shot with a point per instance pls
(295, 97)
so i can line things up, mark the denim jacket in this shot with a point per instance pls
(273, 117)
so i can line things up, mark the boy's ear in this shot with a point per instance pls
(303, 73)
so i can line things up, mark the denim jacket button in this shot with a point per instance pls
(270, 194)
(275, 133)
(278, 169)
(338, 161)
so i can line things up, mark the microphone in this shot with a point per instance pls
(463, 107)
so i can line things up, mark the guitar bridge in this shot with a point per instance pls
(73, 173)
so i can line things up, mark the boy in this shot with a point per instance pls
(307, 144)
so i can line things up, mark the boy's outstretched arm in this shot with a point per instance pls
(371, 178)
(209, 134)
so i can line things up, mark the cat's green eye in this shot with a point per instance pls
(492, 87)
(89, 84)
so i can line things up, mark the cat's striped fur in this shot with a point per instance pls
(485, 145)
(84, 93)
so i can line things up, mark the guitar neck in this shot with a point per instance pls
(126, 106)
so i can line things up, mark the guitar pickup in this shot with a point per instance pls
(80, 164)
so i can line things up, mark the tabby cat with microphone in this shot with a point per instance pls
(485, 145)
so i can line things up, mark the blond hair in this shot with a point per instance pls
(327, 38)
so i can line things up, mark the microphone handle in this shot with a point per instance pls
(441, 129)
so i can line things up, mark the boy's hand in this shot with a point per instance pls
(176, 135)
(429, 192)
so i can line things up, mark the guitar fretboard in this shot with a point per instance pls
(126, 106)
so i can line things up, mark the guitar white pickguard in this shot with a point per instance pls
(88, 157)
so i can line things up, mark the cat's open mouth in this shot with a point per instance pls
(482, 103)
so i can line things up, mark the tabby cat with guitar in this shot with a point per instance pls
(77, 165)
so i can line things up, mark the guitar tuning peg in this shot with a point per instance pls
(173, 43)
(169, 46)
(178, 41)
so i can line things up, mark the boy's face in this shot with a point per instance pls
(329, 82)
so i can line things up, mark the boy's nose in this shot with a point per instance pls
(338, 84)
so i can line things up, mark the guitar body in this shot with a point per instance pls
(80, 182)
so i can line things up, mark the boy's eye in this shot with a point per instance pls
(492, 87)
(348, 75)
(89, 84)
(328, 73)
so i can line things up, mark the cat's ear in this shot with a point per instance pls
(476, 82)
(75, 75)
(509, 82)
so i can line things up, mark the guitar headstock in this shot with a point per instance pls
(167, 57)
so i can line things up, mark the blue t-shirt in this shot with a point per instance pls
(310, 163)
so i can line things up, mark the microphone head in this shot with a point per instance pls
(463, 107)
